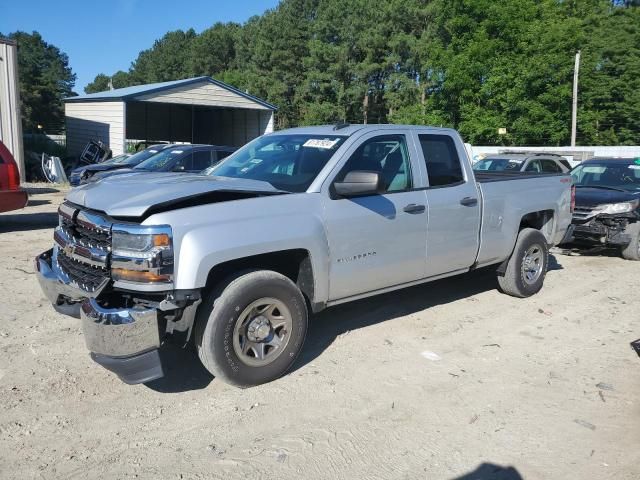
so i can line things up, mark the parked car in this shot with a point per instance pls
(12, 197)
(607, 210)
(296, 220)
(83, 173)
(524, 162)
(176, 158)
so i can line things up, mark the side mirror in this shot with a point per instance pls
(359, 182)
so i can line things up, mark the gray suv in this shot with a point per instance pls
(524, 162)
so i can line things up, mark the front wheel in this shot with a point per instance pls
(252, 330)
(527, 265)
(632, 251)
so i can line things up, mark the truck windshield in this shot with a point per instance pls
(618, 176)
(288, 162)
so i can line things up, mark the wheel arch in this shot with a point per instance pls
(542, 220)
(294, 264)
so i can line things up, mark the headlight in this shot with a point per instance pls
(142, 254)
(614, 208)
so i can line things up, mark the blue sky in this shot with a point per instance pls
(106, 36)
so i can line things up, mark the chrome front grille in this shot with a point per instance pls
(582, 213)
(83, 239)
(84, 276)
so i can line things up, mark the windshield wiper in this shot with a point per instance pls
(603, 187)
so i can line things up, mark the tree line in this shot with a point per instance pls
(474, 65)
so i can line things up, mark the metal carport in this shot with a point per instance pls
(194, 110)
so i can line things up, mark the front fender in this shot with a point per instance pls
(208, 235)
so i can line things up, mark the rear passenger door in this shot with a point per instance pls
(453, 204)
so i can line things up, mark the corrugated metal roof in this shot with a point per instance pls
(130, 93)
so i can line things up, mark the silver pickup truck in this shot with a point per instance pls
(293, 222)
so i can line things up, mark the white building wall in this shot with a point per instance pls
(104, 121)
(10, 119)
(266, 122)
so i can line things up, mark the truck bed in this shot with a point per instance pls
(506, 203)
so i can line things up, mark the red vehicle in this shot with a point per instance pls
(12, 197)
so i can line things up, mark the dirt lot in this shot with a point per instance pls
(446, 380)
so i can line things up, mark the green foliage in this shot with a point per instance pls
(99, 84)
(119, 79)
(45, 78)
(214, 50)
(475, 65)
(167, 60)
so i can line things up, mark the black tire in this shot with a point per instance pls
(632, 251)
(515, 281)
(217, 319)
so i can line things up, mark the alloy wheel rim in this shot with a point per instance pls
(532, 264)
(262, 332)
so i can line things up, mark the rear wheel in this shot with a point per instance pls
(632, 251)
(251, 331)
(527, 266)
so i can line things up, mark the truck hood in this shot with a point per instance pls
(139, 195)
(589, 196)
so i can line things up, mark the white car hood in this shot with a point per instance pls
(131, 195)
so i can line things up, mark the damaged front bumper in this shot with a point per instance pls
(605, 231)
(124, 340)
(57, 286)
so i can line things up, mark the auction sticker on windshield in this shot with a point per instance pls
(320, 143)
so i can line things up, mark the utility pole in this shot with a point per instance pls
(574, 110)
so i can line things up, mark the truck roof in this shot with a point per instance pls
(346, 129)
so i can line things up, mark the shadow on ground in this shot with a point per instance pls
(554, 264)
(333, 322)
(36, 203)
(28, 221)
(41, 190)
(185, 372)
(584, 251)
(490, 471)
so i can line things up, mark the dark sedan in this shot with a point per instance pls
(82, 174)
(607, 209)
(177, 158)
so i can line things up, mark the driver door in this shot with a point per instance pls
(377, 241)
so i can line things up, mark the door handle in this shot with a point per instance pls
(414, 208)
(469, 201)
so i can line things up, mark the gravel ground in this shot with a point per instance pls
(441, 381)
